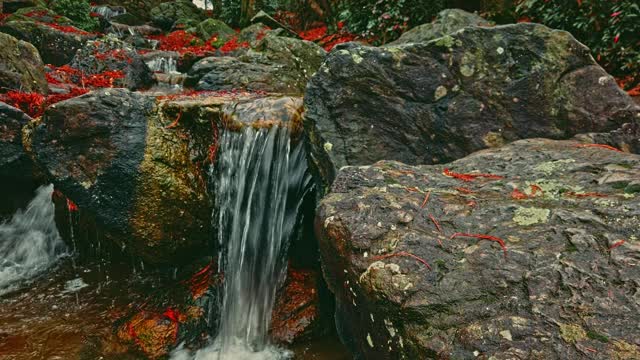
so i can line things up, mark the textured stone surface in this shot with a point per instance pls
(434, 102)
(565, 287)
(447, 22)
(111, 54)
(14, 162)
(275, 64)
(20, 66)
(180, 12)
(55, 47)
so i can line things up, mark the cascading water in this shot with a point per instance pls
(261, 180)
(29, 242)
(165, 65)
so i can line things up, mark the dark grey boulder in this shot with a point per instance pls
(411, 283)
(433, 102)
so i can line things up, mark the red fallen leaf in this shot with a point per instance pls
(483, 237)
(469, 176)
(603, 146)
(616, 13)
(616, 244)
(71, 205)
(535, 188)
(518, 195)
(616, 39)
(173, 315)
(587, 194)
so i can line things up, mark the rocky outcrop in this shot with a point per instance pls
(111, 54)
(213, 28)
(20, 66)
(56, 44)
(529, 250)
(277, 64)
(136, 164)
(427, 103)
(448, 21)
(181, 12)
(14, 162)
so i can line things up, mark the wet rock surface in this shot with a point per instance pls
(527, 251)
(14, 161)
(434, 102)
(20, 66)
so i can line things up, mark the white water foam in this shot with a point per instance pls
(29, 242)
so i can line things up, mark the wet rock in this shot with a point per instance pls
(139, 8)
(181, 12)
(448, 21)
(55, 46)
(626, 138)
(277, 64)
(20, 66)
(434, 102)
(111, 54)
(555, 288)
(138, 164)
(296, 314)
(14, 162)
(266, 19)
(252, 34)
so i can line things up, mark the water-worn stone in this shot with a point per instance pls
(169, 14)
(276, 64)
(447, 22)
(55, 47)
(565, 286)
(20, 66)
(111, 54)
(137, 165)
(14, 162)
(426, 103)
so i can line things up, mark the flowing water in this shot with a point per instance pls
(29, 242)
(260, 180)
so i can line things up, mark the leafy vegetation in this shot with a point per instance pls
(609, 28)
(77, 10)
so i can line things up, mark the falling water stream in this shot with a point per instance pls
(29, 241)
(261, 178)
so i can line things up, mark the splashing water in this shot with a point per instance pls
(261, 182)
(29, 242)
(165, 65)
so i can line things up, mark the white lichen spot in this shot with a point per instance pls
(506, 334)
(372, 319)
(328, 146)
(369, 341)
(467, 70)
(441, 92)
(357, 58)
(476, 353)
(379, 224)
(602, 80)
(393, 227)
(529, 216)
(366, 254)
(500, 50)
(328, 220)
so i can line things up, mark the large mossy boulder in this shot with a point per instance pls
(213, 28)
(180, 12)
(448, 21)
(20, 66)
(136, 165)
(56, 44)
(275, 64)
(111, 54)
(526, 251)
(433, 102)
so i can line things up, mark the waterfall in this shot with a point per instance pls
(109, 12)
(260, 180)
(29, 242)
(162, 64)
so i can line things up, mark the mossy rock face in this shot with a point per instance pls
(276, 64)
(39, 13)
(55, 47)
(447, 22)
(137, 165)
(20, 66)
(426, 265)
(168, 14)
(440, 100)
(214, 28)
